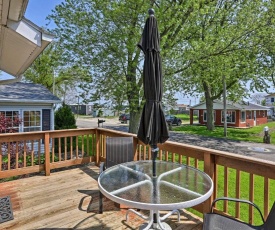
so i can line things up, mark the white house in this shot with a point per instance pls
(270, 99)
(270, 102)
(33, 104)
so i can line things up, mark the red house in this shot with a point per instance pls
(238, 115)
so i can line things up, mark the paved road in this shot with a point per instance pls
(258, 150)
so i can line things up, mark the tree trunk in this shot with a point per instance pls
(134, 121)
(209, 112)
(209, 107)
(133, 98)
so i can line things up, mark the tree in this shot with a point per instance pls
(201, 42)
(222, 39)
(48, 70)
(258, 98)
(42, 71)
(103, 36)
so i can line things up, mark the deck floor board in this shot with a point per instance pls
(68, 199)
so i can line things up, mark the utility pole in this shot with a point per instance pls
(77, 106)
(224, 107)
(54, 81)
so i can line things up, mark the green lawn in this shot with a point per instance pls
(183, 117)
(244, 191)
(253, 134)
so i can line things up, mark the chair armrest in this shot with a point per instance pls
(102, 167)
(237, 200)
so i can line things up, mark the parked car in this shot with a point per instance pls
(173, 120)
(123, 118)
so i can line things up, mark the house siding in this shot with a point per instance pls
(46, 120)
(261, 118)
(23, 107)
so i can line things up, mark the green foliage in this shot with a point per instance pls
(201, 43)
(100, 113)
(42, 70)
(64, 118)
(103, 36)
(172, 111)
(49, 70)
(185, 117)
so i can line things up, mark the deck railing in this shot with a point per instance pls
(233, 175)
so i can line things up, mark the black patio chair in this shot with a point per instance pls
(214, 221)
(118, 150)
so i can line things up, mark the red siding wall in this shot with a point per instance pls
(261, 118)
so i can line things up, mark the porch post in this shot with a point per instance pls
(191, 116)
(97, 147)
(209, 168)
(47, 154)
(135, 149)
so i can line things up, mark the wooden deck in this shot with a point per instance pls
(68, 199)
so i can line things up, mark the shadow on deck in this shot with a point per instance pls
(68, 199)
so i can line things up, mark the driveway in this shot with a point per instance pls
(258, 150)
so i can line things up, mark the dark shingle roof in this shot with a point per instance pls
(249, 106)
(239, 106)
(26, 92)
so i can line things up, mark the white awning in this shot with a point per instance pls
(21, 41)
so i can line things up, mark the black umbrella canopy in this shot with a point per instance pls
(153, 127)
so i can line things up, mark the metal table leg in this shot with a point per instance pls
(151, 225)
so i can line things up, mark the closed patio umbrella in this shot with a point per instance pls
(153, 127)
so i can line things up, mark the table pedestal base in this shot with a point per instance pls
(151, 225)
(164, 225)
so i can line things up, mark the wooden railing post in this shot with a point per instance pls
(97, 147)
(135, 148)
(47, 154)
(209, 168)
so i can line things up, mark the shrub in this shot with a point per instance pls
(9, 148)
(64, 118)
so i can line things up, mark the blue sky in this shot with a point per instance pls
(38, 10)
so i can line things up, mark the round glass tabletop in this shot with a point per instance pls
(175, 186)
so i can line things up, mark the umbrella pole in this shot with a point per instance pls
(155, 150)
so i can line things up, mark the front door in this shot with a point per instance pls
(255, 123)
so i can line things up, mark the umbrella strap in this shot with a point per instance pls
(155, 149)
(154, 101)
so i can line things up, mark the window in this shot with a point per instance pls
(272, 99)
(249, 114)
(14, 117)
(230, 116)
(243, 116)
(205, 115)
(31, 121)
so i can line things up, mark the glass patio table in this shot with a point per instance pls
(176, 186)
